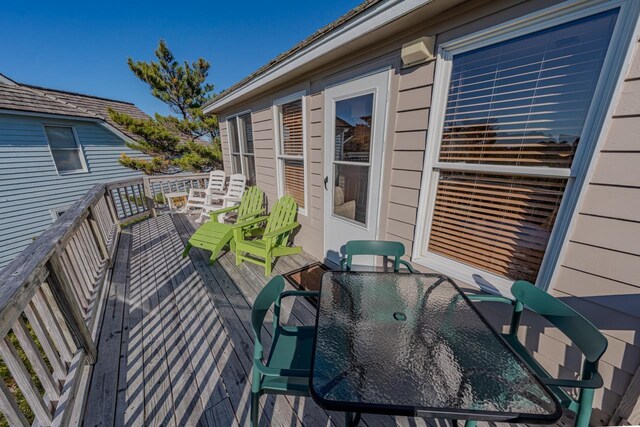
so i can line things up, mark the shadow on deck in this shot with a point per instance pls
(176, 345)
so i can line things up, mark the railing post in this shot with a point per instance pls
(151, 202)
(112, 207)
(97, 235)
(60, 286)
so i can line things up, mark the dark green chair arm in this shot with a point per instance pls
(343, 263)
(281, 230)
(250, 215)
(407, 265)
(594, 382)
(490, 298)
(249, 222)
(276, 372)
(298, 294)
(285, 294)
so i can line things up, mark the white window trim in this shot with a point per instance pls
(596, 121)
(241, 143)
(58, 211)
(79, 146)
(277, 120)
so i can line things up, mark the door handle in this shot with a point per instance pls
(326, 180)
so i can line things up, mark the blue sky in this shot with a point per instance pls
(83, 46)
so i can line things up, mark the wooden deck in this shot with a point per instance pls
(175, 346)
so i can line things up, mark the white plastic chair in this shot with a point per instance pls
(198, 196)
(235, 190)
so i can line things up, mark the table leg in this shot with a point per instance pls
(352, 419)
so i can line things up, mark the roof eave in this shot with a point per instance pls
(363, 23)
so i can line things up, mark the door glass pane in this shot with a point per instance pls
(232, 132)
(525, 101)
(350, 192)
(67, 160)
(353, 128)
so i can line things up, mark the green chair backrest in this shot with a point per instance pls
(265, 299)
(374, 247)
(579, 330)
(252, 201)
(282, 214)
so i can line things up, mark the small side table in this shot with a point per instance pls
(176, 195)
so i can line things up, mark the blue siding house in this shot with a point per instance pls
(54, 146)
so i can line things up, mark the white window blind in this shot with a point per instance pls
(291, 151)
(522, 103)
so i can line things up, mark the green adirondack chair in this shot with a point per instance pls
(587, 338)
(273, 243)
(377, 248)
(286, 368)
(213, 236)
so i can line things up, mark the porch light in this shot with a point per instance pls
(417, 51)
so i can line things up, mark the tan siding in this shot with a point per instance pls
(623, 134)
(410, 111)
(224, 143)
(313, 238)
(629, 103)
(618, 169)
(599, 273)
(264, 150)
(613, 202)
(411, 140)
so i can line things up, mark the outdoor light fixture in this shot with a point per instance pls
(417, 51)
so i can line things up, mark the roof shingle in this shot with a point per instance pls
(22, 97)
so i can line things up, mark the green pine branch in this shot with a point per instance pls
(187, 140)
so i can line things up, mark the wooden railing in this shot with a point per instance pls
(139, 197)
(52, 297)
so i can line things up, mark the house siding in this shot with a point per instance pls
(30, 185)
(598, 273)
(265, 153)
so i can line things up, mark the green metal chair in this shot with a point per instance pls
(274, 241)
(579, 330)
(376, 248)
(213, 235)
(286, 369)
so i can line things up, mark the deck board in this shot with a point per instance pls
(176, 344)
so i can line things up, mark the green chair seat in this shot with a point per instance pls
(213, 236)
(273, 241)
(287, 366)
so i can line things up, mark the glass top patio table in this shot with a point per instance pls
(414, 345)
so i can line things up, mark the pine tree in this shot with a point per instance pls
(188, 140)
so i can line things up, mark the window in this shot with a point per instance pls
(240, 131)
(514, 118)
(64, 149)
(290, 147)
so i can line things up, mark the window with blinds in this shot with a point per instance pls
(514, 117)
(240, 133)
(291, 151)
